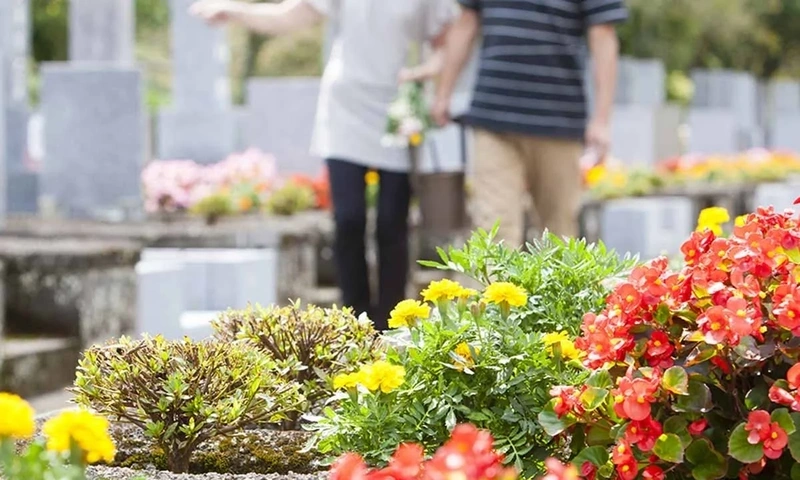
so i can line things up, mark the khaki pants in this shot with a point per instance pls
(509, 167)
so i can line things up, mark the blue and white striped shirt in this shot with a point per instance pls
(530, 79)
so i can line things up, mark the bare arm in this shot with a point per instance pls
(266, 18)
(457, 51)
(604, 48)
(432, 66)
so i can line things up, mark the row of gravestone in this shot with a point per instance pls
(654, 226)
(95, 136)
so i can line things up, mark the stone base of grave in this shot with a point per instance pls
(32, 366)
(294, 237)
(71, 288)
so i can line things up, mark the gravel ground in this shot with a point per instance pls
(111, 473)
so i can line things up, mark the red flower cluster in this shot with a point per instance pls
(468, 455)
(634, 396)
(762, 430)
(790, 395)
(723, 287)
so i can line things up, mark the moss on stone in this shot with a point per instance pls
(252, 451)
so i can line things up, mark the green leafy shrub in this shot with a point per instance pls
(213, 207)
(492, 366)
(564, 278)
(466, 362)
(311, 343)
(291, 198)
(183, 393)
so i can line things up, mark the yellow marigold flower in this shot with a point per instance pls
(504, 292)
(87, 430)
(407, 313)
(467, 293)
(347, 380)
(568, 349)
(382, 376)
(440, 290)
(415, 139)
(596, 174)
(372, 178)
(713, 215)
(16, 419)
(463, 351)
(740, 220)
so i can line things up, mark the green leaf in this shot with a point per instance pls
(783, 418)
(700, 354)
(698, 399)
(593, 397)
(597, 435)
(740, 449)
(550, 422)
(597, 455)
(676, 380)
(662, 314)
(708, 464)
(677, 425)
(794, 439)
(669, 448)
(795, 475)
(600, 379)
(757, 397)
(793, 254)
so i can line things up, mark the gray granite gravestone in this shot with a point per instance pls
(648, 227)
(713, 131)
(94, 137)
(785, 131)
(21, 194)
(785, 96)
(778, 195)
(102, 31)
(736, 93)
(639, 82)
(641, 135)
(200, 124)
(280, 121)
(3, 154)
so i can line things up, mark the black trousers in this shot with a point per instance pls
(348, 192)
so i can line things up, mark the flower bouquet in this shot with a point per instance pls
(408, 118)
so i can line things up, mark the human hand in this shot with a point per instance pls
(212, 11)
(598, 138)
(440, 111)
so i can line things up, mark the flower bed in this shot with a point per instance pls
(612, 180)
(242, 183)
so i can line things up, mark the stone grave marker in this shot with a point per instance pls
(200, 125)
(280, 121)
(779, 195)
(713, 131)
(785, 132)
(94, 138)
(648, 227)
(102, 31)
(3, 158)
(785, 96)
(734, 92)
(639, 82)
(160, 299)
(642, 135)
(15, 30)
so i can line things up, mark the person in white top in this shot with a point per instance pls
(368, 58)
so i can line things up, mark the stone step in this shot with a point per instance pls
(34, 366)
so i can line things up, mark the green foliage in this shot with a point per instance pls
(291, 198)
(213, 207)
(467, 363)
(183, 393)
(313, 344)
(565, 278)
(37, 463)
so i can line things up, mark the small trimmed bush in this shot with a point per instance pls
(314, 344)
(291, 198)
(183, 393)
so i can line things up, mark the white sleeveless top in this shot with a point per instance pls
(370, 47)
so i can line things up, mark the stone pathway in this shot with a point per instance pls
(51, 401)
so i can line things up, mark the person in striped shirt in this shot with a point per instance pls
(529, 107)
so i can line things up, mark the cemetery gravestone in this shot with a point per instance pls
(21, 194)
(648, 227)
(2, 158)
(94, 138)
(783, 112)
(735, 93)
(201, 125)
(643, 135)
(102, 31)
(712, 131)
(280, 120)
